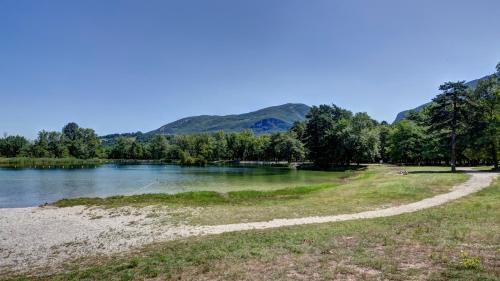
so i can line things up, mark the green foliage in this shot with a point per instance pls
(284, 147)
(448, 114)
(299, 128)
(200, 149)
(12, 146)
(334, 136)
(384, 131)
(406, 140)
(158, 147)
(73, 142)
(484, 121)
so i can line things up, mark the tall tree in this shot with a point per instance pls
(322, 134)
(484, 125)
(448, 113)
(384, 131)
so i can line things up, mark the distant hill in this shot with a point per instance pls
(400, 116)
(267, 120)
(109, 140)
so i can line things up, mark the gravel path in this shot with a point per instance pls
(32, 238)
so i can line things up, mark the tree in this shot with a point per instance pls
(158, 147)
(220, 149)
(384, 131)
(87, 144)
(484, 123)
(41, 146)
(122, 148)
(55, 145)
(11, 146)
(244, 145)
(136, 151)
(448, 113)
(299, 129)
(289, 148)
(284, 146)
(81, 142)
(364, 138)
(321, 134)
(70, 131)
(203, 147)
(405, 142)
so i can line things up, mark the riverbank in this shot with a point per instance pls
(44, 237)
(48, 163)
(345, 192)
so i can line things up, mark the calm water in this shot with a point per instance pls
(32, 187)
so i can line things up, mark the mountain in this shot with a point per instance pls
(402, 115)
(267, 120)
(111, 139)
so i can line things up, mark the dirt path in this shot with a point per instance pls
(44, 237)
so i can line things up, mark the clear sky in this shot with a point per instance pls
(123, 66)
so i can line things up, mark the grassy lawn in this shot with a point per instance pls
(456, 241)
(351, 191)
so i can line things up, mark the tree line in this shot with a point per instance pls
(71, 142)
(460, 126)
(204, 148)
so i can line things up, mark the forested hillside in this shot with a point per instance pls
(267, 120)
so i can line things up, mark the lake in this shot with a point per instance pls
(33, 187)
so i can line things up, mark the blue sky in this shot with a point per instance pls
(122, 66)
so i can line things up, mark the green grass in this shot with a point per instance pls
(456, 241)
(195, 198)
(377, 187)
(27, 162)
(349, 192)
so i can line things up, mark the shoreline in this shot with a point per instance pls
(43, 237)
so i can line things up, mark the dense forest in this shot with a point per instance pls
(460, 126)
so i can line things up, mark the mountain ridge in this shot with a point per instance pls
(266, 120)
(273, 119)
